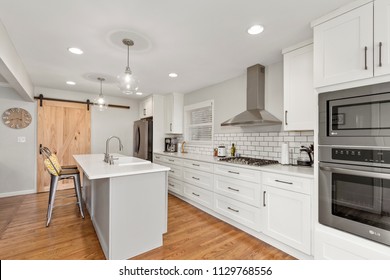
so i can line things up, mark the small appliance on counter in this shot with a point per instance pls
(221, 151)
(171, 145)
(304, 161)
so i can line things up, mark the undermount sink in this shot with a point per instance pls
(121, 161)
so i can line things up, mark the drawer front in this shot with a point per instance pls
(242, 213)
(287, 182)
(158, 158)
(172, 160)
(199, 195)
(238, 173)
(198, 178)
(176, 172)
(247, 192)
(198, 165)
(175, 186)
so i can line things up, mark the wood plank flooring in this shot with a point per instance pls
(192, 234)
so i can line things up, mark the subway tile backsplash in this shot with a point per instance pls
(265, 145)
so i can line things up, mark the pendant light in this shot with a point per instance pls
(100, 101)
(127, 82)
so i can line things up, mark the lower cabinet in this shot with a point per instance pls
(175, 186)
(242, 213)
(199, 195)
(286, 217)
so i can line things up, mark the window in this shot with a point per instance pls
(198, 123)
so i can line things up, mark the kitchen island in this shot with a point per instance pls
(127, 202)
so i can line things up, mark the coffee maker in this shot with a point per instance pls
(171, 144)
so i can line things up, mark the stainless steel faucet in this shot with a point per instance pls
(107, 154)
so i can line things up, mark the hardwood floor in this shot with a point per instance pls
(192, 234)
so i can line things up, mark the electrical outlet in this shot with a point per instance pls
(21, 139)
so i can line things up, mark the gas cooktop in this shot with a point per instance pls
(249, 161)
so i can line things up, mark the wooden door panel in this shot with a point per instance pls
(65, 128)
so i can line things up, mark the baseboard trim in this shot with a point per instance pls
(17, 193)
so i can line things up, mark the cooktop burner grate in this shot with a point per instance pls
(249, 161)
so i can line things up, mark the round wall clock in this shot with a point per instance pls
(16, 118)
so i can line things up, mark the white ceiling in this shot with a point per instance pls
(204, 41)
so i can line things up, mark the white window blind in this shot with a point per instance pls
(199, 122)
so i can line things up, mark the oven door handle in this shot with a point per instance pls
(356, 172)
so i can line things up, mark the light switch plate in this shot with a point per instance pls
(21, 139)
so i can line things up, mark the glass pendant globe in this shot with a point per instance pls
(100, 103)
(128, 83)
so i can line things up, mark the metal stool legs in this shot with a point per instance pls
(52, 194)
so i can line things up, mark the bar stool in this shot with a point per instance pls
(57, 173)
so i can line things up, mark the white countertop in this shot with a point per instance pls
(95, 168)
(302, 171)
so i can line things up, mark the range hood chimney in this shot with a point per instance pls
(255, 113)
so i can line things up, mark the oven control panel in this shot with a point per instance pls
(361, 155)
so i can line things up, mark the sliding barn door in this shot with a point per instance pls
(65, 128)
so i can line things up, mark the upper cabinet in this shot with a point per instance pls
(146, 108)
(352, 45)
(299, 96)
(174, 113)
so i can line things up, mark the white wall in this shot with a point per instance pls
(22, 156)
(230, 99)
(17, 160)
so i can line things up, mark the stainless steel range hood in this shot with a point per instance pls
(255, 113)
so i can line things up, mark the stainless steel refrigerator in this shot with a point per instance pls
(143, 139)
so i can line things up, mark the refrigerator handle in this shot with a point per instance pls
(139, 139)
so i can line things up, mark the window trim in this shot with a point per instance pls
(186, 126)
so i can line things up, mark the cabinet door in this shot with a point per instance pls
(148, 107)
(174, 113)
(343, 47)
(287, 217)
(299, 96)
(381, 37)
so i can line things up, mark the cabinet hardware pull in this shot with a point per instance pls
(264, 192)
(195, 194)
(195, 178)
(284, 182)
(172, 185)
(234, 172)
(144, 112)
(171, 160)
(285, 117)
(171, 171)
(170, 127)
(365, 58)
(195, 164)
(380, 54)
(233, 189)
(233, 209)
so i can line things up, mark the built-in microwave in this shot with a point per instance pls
(355, 117)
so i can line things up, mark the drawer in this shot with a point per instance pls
(172, 160)
(198, 178)
(157, 158)
(199, 195)
(175, 186)
(176, 172)
(238, 173)
(288, 182)
(244, 191)
(198, 165)
(242, 213)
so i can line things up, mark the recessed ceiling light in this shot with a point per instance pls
(173, 75)
(138, 93)
(255, 29)
(70, 83)
(75, 50)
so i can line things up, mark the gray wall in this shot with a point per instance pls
(230, 99)
(18, 160)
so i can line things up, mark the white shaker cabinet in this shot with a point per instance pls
(174, 113)
(299, 96)
(146, 108)
(287, 210)
(353, 45)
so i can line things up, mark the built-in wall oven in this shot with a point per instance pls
(354, 161)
